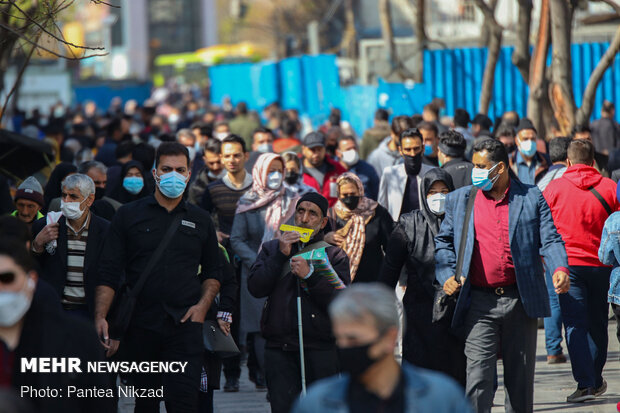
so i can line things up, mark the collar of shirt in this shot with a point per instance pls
(84, 225)
(152, 201)
(487, 195)
(521, 161)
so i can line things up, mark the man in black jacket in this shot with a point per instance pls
(451, 156)
(71, 267)
(33, 325)
(280, 274)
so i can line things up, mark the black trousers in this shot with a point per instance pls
(182, 343)
(283, 374)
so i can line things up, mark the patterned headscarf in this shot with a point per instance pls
(354, 231)
(280, 202)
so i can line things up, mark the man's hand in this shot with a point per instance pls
(101, 326)
(334, 238)
(300, 267)
(561, 282)
(195, 313)
(287, 240)
(224, 326)
(47, 234)
(113, 348)
(451, 286)
(221, 237)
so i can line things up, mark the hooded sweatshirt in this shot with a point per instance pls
(578, 215)
(383, 156)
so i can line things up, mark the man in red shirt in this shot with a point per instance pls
(320, 172)
(580, 202)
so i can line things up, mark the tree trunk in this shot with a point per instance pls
(561, 88)
(585, 111)
(521, 54)
(494, 32)
(387, 33)
(348, 45)
(485, 32)
(538, 66)
(420, 45)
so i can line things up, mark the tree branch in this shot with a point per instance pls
(612, 4)
(587, 102)
(521, 55)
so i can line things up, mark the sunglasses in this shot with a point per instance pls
(7, 277)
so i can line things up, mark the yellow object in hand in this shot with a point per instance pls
(304, 233)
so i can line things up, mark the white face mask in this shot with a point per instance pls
(221, 135)
(14, 305)
(437, 203)
(350, 157)
(71, 210)
(274, 180)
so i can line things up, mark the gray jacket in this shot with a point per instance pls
(382, 157)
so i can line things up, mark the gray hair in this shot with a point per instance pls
(82, 182)
(186, 133)
(359, 301)
(88, 165)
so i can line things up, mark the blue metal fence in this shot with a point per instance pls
(310, 84)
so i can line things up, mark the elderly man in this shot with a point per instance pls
(28, 201)
(104, 206)
(281, 273)
(365, 322)
(72, 266)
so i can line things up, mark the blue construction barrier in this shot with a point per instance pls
(102, 94)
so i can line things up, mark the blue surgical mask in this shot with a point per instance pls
(172, 184)
(428, 150)
(480, 178)
(527, 148)
(265, 148)
(133, 184)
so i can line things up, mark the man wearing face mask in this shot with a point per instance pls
(430, 134)
(280, 274)
(262, 142)
(527, 163)
(399, 189)
(502, 285)
(166, 322)
(71, 268)
(349, 157)
(33, 324)
(365, 322)
(104, 206)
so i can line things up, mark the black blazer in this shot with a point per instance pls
(54, 267)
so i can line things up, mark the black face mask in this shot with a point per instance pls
(350, 202)
(331, 148)
(99, 193)
(291, 177)
(510, 148)
(355, 360)
(413, 164)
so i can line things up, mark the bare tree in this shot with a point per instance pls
(494, 45)
(348, 45)
(22, 26)
(521, 54)
(387, 33)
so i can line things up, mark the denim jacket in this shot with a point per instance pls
(425, 391)
(609, 254)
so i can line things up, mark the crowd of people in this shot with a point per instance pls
(157, 217)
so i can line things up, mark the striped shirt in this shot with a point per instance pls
(76, 250)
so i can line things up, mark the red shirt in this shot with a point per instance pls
(7, 359)
(491, 261)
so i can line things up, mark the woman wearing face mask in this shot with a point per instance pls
(361, 227)
(132, 185)
(293, 175)
(260, 212)
(412, 244)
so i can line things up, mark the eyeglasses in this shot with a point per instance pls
(7, 277)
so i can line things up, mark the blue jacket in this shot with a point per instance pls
(532, 234)
(369, 178)
(425, 391)
(609, 254)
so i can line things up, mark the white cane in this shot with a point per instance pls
(301, 343)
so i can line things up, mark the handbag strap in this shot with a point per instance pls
(310, 247)
(135, 291)
(601, 200)
(468, 214)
